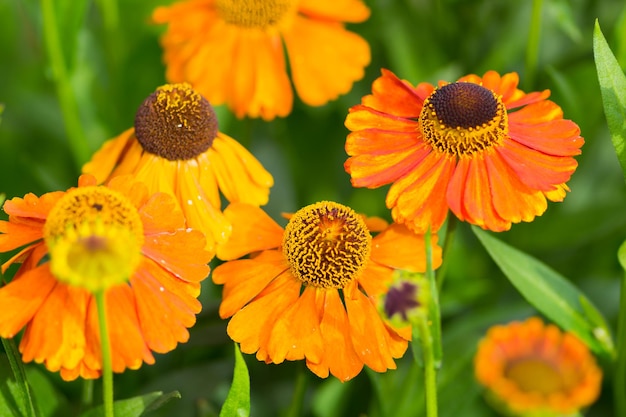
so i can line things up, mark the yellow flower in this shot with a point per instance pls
(309, 291)
(535, 370)
(176, 147)
(231, 51)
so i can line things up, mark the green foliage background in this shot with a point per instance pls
(420, 40)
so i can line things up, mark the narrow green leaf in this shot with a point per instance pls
(621, 255)
(550, 293)
(238, 399)
(613, 89)
(134, 407)
(23, 392)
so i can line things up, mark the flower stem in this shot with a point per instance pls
(447, 245)
(430, 368)
(532, 49)
(19, 373)
(65, 93)
(620, 369)
(105, 346)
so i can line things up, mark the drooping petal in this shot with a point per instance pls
(253, 230)
(325, 59)
(398, 248)
(28, 292)
(243, 280)
(104, 161)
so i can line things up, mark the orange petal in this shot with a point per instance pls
(339, 357)
(32, 207)
(103, 162)
(160, 213)
(22, 298)
(325, 59)
(512, 200)
(361, 117)
(181, 253)
(394, 96)
(296, 332)
(353, 11)
(135, 191)
(252, 325)
(418, 199)
(253, 230)
(399, 248)
(375, 279)
(240, 176)
(13, 235)
(368, 333)
(558, 137)
(243, 280)
(56, 334)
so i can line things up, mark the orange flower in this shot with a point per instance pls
(231, 51)
(460, 146)
(309, 291)
(120, 239)
(532, 369)
(176, 147)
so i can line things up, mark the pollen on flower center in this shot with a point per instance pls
(253, 13)
(175, 123)
(94, 236)
(463, 118)
(327, 244)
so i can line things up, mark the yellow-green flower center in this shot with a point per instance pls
(463, 118)
(535, 375)
(253, 13)
(175, 123)
(327, 245)
(94, 237)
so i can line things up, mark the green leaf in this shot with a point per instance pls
(613, 89)
(550, 293)
(238, 399)
(135, 407)
(621, 255)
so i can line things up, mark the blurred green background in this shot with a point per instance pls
(112, 72)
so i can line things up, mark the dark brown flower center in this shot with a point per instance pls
(463, 118)
(327, 245)
(175, 123)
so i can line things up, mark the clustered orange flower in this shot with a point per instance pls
(232, 51)
(120, 239)
(479, 147)
(309, 291)
(533, 369)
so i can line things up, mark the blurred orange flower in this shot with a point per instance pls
(309, 291)
(231, 51)
(532, 369)
(480, 147)
(176, 147)
(120, 239)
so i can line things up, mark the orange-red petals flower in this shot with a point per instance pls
(532, 369)
(480, 147)
(309, 291)
(120, 239)
(232, 51)
(176, 147)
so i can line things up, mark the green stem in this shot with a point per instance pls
(434, 311)
(86, 399)
(297, 400)
(430, 368)
(620, 369)
(67, 100)
(447, 247)
(532, 49)
(17, 367)
(107, 370)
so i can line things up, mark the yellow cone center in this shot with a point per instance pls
(94, 237)
(463, 118)
(253, 13)
(535, 375)
(175, 123)
(327, 245)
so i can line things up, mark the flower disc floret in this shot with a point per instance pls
(327, 245)
(94, 235)
(463, 118)
(176, 123)
(253, 13)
